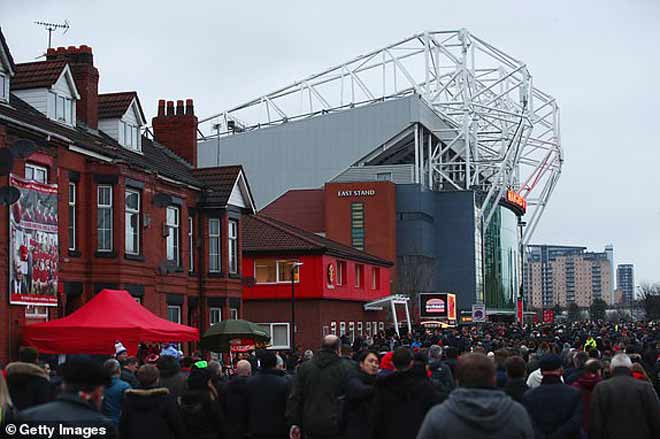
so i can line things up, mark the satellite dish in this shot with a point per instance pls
(24, 148)
(162, 200)
(9, 195)
(6, 161)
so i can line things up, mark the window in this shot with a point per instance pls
(4, 88)
(233, 246)
(191, 253)
(357, 225)
(341, 272)
(132, 224)
(104, 218)
(279, 335)
(36, 173)
(72, 216)
(233, 314)
(359, 275)
(360, 330)
(333, 328)
(342, 328)
(173, 237)
(215, 315)
(274, 271)
(174, 313)
(351, 330)
(61, 108)
(375, 278)
(384, 176)
(214, 245)
(129, 135)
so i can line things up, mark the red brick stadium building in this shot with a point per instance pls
(121, 210)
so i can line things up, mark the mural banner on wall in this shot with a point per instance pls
(33, 244)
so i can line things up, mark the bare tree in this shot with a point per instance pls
(414, 276)
(650, 299)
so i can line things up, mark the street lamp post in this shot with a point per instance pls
(294, 267)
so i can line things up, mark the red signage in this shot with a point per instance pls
(517, 200)
(451, 307)
(548, 315)
(520, 310)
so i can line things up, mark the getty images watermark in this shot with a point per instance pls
(54, 430)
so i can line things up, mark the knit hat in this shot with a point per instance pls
(386, 361)
(119, 348)
(550, 362)
(199, 378)
(170, 350)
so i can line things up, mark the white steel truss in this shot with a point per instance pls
(501, 132)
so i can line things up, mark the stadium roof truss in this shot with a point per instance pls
(501, 132)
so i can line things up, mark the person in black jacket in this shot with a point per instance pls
(128, 369)
(267, 393)
(401, 400)
(150, 411)
(234, 401)
(199, 405)
(554, 408)
(28, 383)
(313, 408)
(359, 396)
(79, 404)
(516, 374)
(441, 375)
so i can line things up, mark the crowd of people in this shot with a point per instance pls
(579, 380)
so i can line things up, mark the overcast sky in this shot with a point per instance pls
(600, 59)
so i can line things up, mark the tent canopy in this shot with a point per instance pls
(110, 316)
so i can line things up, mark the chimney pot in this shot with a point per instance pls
(179, 107)
(177, 129)
(170, 108)
(161, 107)
(189, 107)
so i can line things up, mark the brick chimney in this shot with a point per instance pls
(86, 77)
(177, 128)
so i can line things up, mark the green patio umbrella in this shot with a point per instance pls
(224, 334)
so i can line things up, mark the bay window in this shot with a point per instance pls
(104, 218)
(214, 245)
(232, 236)
(132, 223)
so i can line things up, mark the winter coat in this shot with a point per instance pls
(28, 385)
(555, 409)
(201, 415)
(357, 405)
(623, 407)
(585, 384)
(234, 403)
(113, 398)
(476, 414)
(150, 413)
(401, 400)
(71, 411)
(267, 393)
(442, 378)
(516, 388)
(129, 377)
(171, 376)
(314, 402)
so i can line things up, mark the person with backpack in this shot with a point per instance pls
(441, 375)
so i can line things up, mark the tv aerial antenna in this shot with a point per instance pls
(51, 27)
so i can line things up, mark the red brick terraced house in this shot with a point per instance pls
(331, 286)
(125, 211)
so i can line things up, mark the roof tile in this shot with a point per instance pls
(37, 74)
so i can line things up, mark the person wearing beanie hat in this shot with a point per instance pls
(555, 408)
(199, 404)
(121, 353)
(80, 402)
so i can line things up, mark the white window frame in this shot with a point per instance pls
(212, 310)
(129, 135)
(179, 312)
(108, 207)
(4, 87)
(333, 328)
(173, 235)
(359, 275)
(128, 212)
(278, 279)
(233, 313)
(232, 240)
(351, 330)
(63, 106)
(71, 227)
(270, 332)
(215, 268)
(35, 170)
(191, 249)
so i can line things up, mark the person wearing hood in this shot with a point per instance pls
(312, 408)
(476, 408)
(28, 383)
(623, 407)
(150, 411)
(401, 400)
(585, 384)
(359, 396)
(199, 405)
(267, 393)
(171, 376)
(554, 407)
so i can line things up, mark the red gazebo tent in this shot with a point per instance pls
(94, 328)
